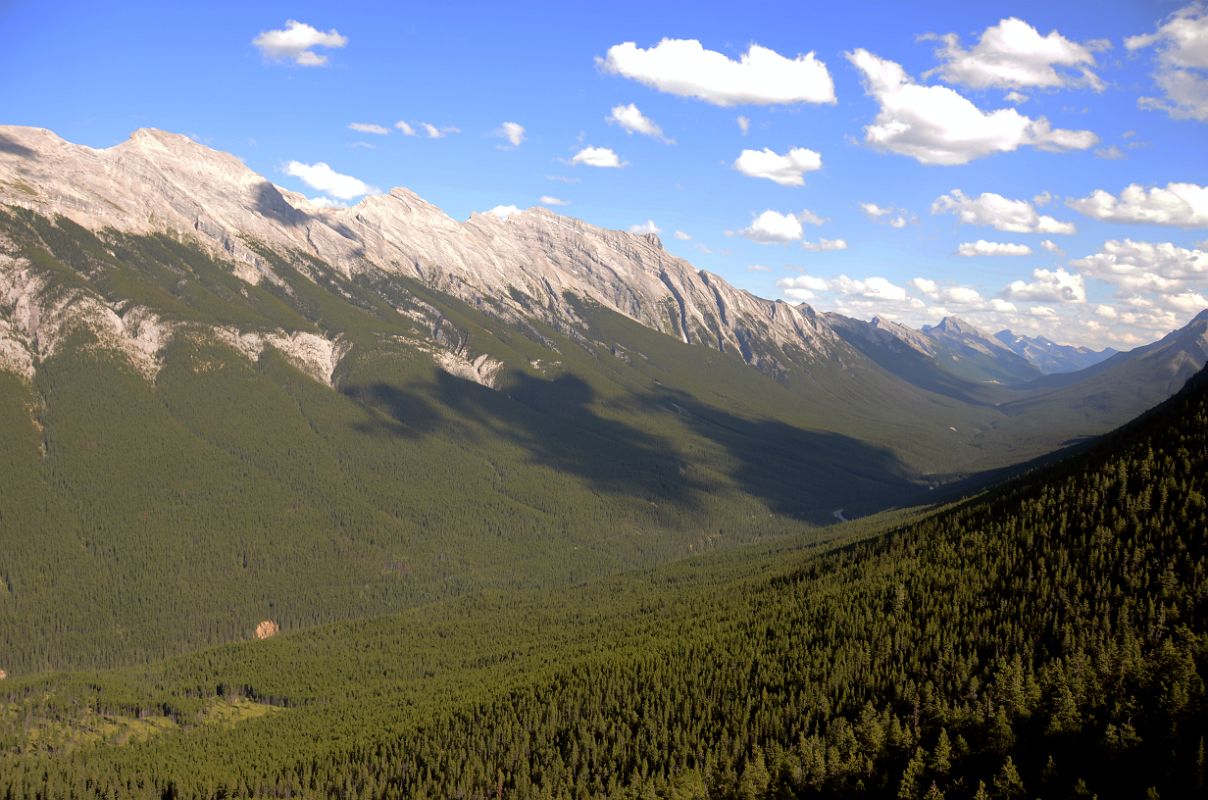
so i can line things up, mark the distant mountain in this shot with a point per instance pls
(1126, 383)
(973, 354)
(1050, 357)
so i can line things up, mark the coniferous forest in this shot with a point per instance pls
(1046, 638)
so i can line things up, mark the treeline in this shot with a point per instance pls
(1048, 639)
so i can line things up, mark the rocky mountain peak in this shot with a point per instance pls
(653, 239)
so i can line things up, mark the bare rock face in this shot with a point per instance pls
(520, 267)
(266, 629)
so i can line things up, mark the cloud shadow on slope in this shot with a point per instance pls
(13, 147)
(551, 420)
(799, 473)
(271, 204)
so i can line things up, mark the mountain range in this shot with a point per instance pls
(218, 395)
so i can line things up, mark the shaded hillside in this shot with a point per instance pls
(1048, 639)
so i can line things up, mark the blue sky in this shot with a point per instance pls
(991, 141)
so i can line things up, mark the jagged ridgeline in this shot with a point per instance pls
(1047, 639)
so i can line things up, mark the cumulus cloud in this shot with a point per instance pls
(949, 295)
(1052, 247)
(824, 245)
(759, 77)
(983, 248)
(937, 125)
(512, 131)
(787, 170)
(893, 217)
(873, 288)
(1183, 204)
(744, 124)
(325, 202)
(1004, 214)
(296, 42)
(503, 212)
(369, 127)
(634, 121)
(646, 227)
(434, 132)
(598, 157)
(1182, 74)
(322, 177)
(683, 237)
(772, 227)
(1161, 267)
(548, 200)
(807, 287)
(1112, 153)
(1055, 286)
(405, 127)
(1014, 55)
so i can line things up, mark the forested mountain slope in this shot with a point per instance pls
(1046, 639)
(189, 453)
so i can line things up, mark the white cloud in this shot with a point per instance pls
(807, 287)
(1185, 302)
(512, 131)
(1057, 286)
(937, 125)
(802, 287)
(548, 200)
(368, 127)
(1112, 153)
(810, 218)
(874, 288)
(772, 227)
(634, 121)
(787, 170)
(405, 127)
(322, 177)
(893, 217)
(824, 245)
(949, 295)
(1184, 204)
(1004, 214)
(983, 248)
(1107, 312)
(760, 76)
(597, 157)
(1052, 247)
(503, 212)
(744, 124)
(1147, 266)
(758, 268)
(1015, 97)
(1182, 43)
(1013, 55)
(646, 227)
(683, 237)
(925, 285)
(325, 202)
(296, 43)
(434, 132)
(1042, 311)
